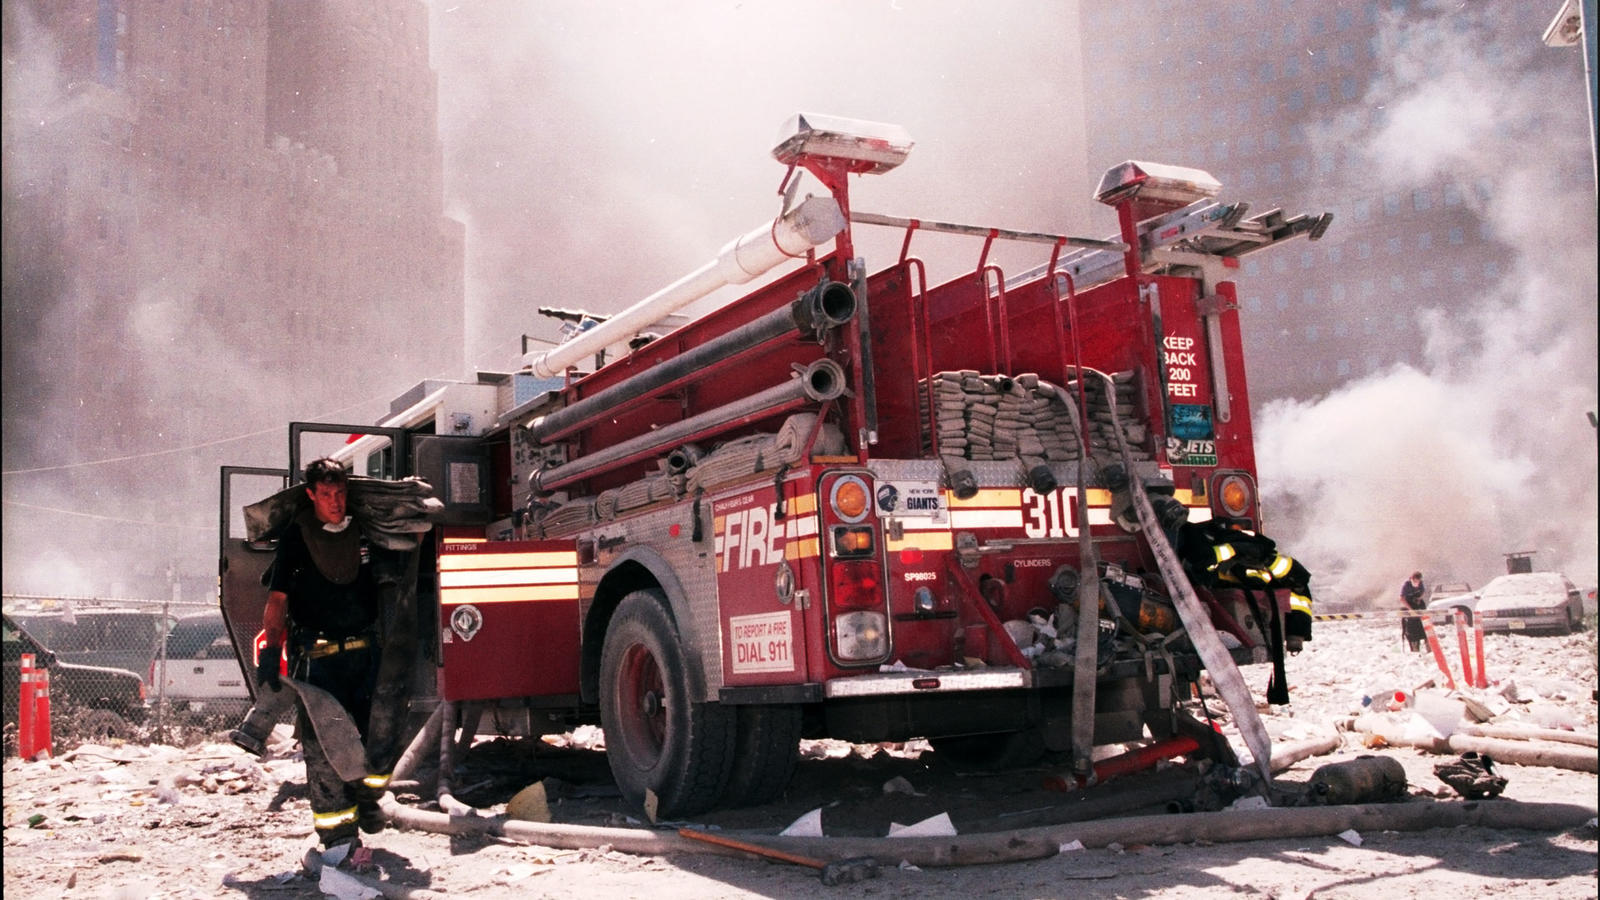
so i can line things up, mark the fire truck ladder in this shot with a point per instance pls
(1205, 227)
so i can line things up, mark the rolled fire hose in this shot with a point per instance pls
(1218, 661)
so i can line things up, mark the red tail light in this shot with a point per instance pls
(855, 585)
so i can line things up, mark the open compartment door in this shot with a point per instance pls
(242, 562)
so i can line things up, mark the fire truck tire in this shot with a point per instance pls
(766, 748)
(992, 752)
(659, 740)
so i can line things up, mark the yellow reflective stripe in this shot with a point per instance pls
(1300, 602)
(803, 504)
(376, 781)
(805, 548)
(333, 819)
(923, 540)
(1281, 566)
(1224, 552)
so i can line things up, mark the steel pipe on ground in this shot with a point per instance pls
(826, 306)
(815, 220)
(1035, 843)
(822, 380)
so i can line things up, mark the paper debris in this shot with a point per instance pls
(906, 866)
(343, 886)
(1070, 846)
(1255, 801)
(1351, 837)
(933, 826)
(808, 825)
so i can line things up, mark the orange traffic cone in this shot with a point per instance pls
(1466, 650)
(1477, 636)
(25, 691)
(41, 714)
(1438, 651)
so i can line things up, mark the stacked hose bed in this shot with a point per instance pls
(1001, 417)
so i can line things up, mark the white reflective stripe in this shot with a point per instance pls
(544, 560)
(1224, 552)
(800, 526)
(1280, 566)
(499, 577)
(1303, 603)
(333, 819)
(985, 518)
(922, 523)
(925, 682)
(1199, 513)
(1099, 516)
(376, 781)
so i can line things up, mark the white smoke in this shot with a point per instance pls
(1486, 448)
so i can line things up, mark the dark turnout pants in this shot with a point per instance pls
(339, 806)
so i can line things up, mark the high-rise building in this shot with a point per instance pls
(1273, 97)
(219, 205)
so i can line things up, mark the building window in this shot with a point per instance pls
(1308, 259)
(1396, 245)
(1308, 297)
(1397, 283)
(1266, 72)
(1428, 278)
(1340, 328)
(1342, 367)
(1391, 204)
(1458, 235)
(1320, 93)
(1346, 54)
(1325, 163)
(1341, 19)
(1297, 100)
(1252, 267)
(1363, 250)
(1362, 211)
(1274, 173)
(1335, 254)
(1452, 194)
(1336, 294)
(1421, 199)
(1311, 334)
(1300, 167)
(1269, 140)
(1491, 270)
(1281, 300)
(1253, 304)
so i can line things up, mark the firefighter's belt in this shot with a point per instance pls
(322, 647)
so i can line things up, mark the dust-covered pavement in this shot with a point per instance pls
(209, 820)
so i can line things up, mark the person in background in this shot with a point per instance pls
(1413, 596)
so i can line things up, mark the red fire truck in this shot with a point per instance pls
(849, 503)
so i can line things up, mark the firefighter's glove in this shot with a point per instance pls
(267, 668)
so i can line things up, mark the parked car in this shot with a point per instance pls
(1531, 601)
(110, 698)
(201, 669)
(1447, 597)
(118, 638)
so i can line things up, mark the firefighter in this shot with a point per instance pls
(323, 601)
(1412, 594)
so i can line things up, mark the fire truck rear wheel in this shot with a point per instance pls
(992, 752)
(658, 738)
(766, 748)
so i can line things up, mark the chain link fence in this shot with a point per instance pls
(125, 669)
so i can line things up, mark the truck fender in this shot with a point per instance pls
(641, 568)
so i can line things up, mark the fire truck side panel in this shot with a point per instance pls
(653, 550)
(508, 619)
(897, 341)
(764, 558)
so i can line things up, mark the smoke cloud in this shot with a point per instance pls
(1485, 448)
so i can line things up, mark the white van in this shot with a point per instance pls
(202, 670)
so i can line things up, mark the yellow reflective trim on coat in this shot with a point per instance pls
(1281, 566)
(376, 781)
(333, 819)
(1300, 602)
(1224, 552)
